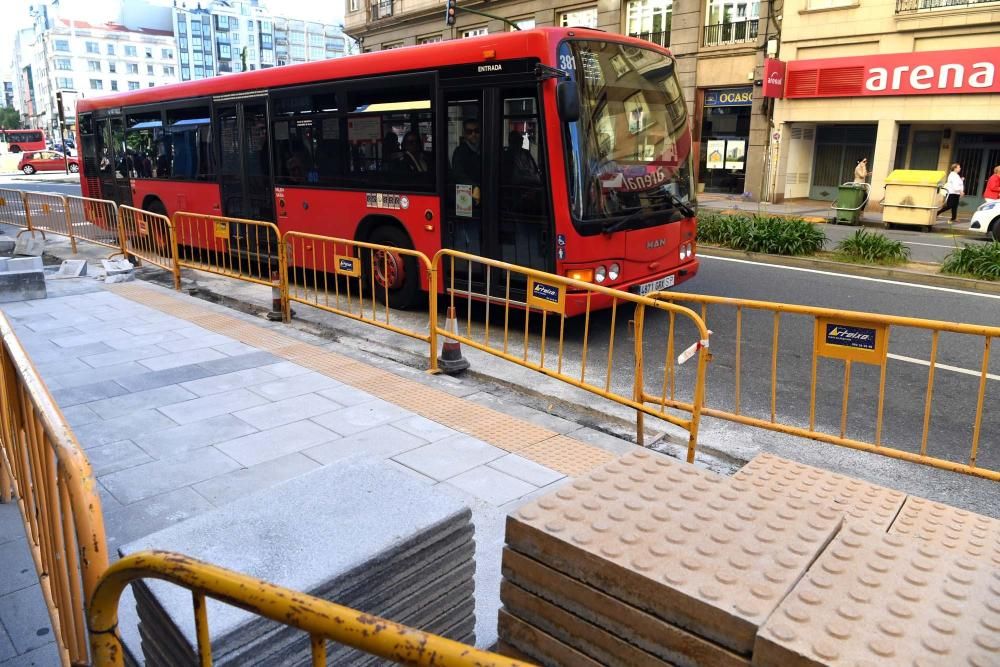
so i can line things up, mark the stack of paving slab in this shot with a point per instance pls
(647, 561)
(21, 279)
(362, 535)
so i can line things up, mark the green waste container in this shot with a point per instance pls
(851, 200)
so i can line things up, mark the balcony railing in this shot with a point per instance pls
(909, 6)
(731, 33)
(662, 37)
(380, 9)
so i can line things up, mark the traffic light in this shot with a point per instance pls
(59, 105)
(450, 8)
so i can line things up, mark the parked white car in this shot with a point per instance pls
(986, 220)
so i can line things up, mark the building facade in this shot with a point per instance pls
(78, 58)
(720, 47)
(228, 36)
(906, 83)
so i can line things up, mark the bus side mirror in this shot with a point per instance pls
(568, 101)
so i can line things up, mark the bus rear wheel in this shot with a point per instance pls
(396, 275)
(15, 149)
(158, 235)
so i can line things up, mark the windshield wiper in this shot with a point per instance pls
(613, 226)
(680, 204)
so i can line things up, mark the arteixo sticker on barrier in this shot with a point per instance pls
(222, 230)
(851, 340)
(348, 266)
(546, 296)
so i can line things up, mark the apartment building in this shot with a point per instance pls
(906, 83)
(720, 47)
(83, 59)
(228, 36)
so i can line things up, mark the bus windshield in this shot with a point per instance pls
(629, 154)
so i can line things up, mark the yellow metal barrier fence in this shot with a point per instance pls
(321, 619)
(44, 468)
(12, 209)
(856, 341)
(233, 247)
(95, 221)
(49, 213)
(356, 279)
(532, 330)
(150, 238)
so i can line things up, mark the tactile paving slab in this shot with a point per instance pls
(532, 642)
(878, 599)
(711, 555)
(857, 499)
(949, 527)
(663, 640)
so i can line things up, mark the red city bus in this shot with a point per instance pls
(564, 150)
(23, 140)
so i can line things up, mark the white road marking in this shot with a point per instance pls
(930, 245)
(946, 367)
(865, 278)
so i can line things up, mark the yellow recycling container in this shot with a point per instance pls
(913, 197)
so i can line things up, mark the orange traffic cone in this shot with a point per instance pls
(450, 360)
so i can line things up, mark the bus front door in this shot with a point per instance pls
(246, 188)
(496, 201)
(114, 164)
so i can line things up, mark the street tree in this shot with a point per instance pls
(10, 119)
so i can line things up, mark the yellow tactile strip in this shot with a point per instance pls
(875, 598)
(949, 527)
(539, 444)
(855, 498)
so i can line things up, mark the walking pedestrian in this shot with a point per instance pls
(861, 171)
(992, 191)
(956, 188)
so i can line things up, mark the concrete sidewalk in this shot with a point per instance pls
(183, 406)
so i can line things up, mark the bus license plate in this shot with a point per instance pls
(654, 286)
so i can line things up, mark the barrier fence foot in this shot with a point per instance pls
(277, 312)
(450, 360)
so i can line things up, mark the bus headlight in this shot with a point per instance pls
(614, 271)
(600, 275)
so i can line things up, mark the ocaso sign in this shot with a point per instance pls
(921, 73)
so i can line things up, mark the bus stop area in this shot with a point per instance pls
(221, 436)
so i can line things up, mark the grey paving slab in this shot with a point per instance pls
(121, 356)
(132, 342)
(68, 397)
(156, 326)
(357, 418)
(526, 470)
(287, 411)
(449, 457)
(410, 471)
(216, 384)
(11, 525)
(108, 502)
(212, 406)
(62, 365)
(79, 378)
(286, 369)
(26, 619)
(157, 477)
(109, 408)
(274, 443)
(43, 352)
(326, 549)
(346, 395)
(130, 522)
(181, 359)
(206, 339)
(7, 650)
(78, 415)
(189, 437)
(127, 426)
(425, 428)
(381, 442)
(79, 321)
(238, 483)
(234, 348)
(116, 456)
(306, 383)
(18, 568)
(80, 338)
(44, 656)
(230, 364)
(153, 379)
(491, 485)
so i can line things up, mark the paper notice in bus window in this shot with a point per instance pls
(331, 128)
(463, 200)
(281, 130)
(363, 129)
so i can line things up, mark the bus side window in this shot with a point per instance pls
(185, 151)
(143, 136)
